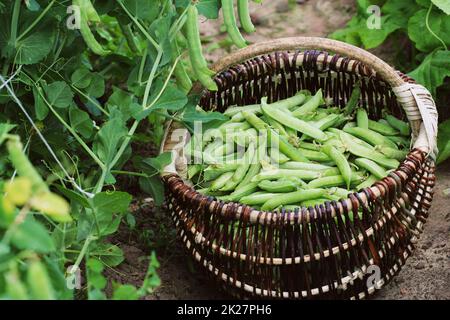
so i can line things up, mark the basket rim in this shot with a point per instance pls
(387, 185)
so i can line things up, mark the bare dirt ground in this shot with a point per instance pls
(426, 274)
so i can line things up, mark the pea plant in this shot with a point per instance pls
(85, 87)
(421, 28)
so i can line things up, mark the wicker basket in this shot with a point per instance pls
(310, 253)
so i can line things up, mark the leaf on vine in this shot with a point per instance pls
(444, 141)
(433, 70)
(419, 33)
(59, 94)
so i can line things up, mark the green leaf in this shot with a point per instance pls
(40, 107)
(111, 255)
(143, 9)
(154, 187)
(444, 5)
(31, 235)
(96, 88)
(5, 128)
(172, 99)
(81, 78)
(59, 94)
(112, 202)
(419, 33)
(209, 8)
(433, 70)
(107, 140)
(35, 47)
(125, 292)
(372, 38)
(444, 141)
(150, 165)
(81, 122)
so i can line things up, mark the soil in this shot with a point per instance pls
(426, 274)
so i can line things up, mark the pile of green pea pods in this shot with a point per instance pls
(295, 152)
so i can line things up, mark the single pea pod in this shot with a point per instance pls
(400, 141)
(393, 153)
(310, 106)
(284, 173)
(193, 170)
(255, 167)
(304, 166)
(350, 124)
(292, 197)
(312, 203)
(88, 36)
(309, 145)
(39, 282)
(378, 171)
(382, 128)
(314, 155)
(229, 20)
(278, 157)
(362, 119)
(341, 162)
(370, 136)
(281, 185)
(221, 181)
(234, 110)
(398, 124)
(367, 183)
(198, 62)
(244, 16)
(353, 102)
(240, 192)
(257, 198)
(335, 181)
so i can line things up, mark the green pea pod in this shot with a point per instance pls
(367, 183)
(341, 163)
(393, 153)
(221, 181)
(88, 36)
(398, 124)
(232, 111)
(15, 289)
(280, 185)
(284, 145)
(304, 166)
(314, 202)
(284, 173)
(349, 125)
(198, 62)
(362, 119)
(292, 197)
(382, 128)
(371, 166)
(230, 24)
(364, 152)
(243, 191)
(278, 157)
(353, 101)
(193, 170)
(309, 145)
(399, 141)
(334, 181)
(244, 16)
(314, 155)
(326, 122)
(215, 170)
(39, 282)
(242, 169)
(294, 123)
(257, 198)
(370, 136)
(310, 106)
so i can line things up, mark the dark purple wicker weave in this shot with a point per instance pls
(311, 252)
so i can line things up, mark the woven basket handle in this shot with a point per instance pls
(415, 99)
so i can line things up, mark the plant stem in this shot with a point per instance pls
(36, 21)
(429, 28)
(15, 21)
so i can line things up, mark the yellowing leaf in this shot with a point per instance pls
(18, 191)
(52, 205)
